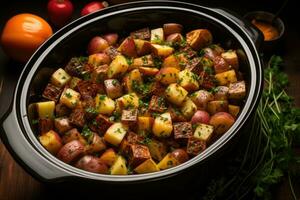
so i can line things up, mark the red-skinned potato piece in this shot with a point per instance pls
(221, 121)
(113, 88)
(171, 28)
(97, 45)
(143, 47)
(175, 37)
(98, 59)
(70, 151)
(51, 141)
(148, 71)
(180, 155)
(220, 65)
(200, 116)
(199, 38)
(111, 38)
(92, 164)
(128, 48)
(97, 144)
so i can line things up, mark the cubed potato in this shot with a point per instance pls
(162, 126)
(175, 39)
(92, 164)
(104, 104)
(149, 71)
(225, 78)
(113, 88)
(132, 79)
(96, 144)
(221, 121)
(195, 146)
(51, 141)
(199, 38)
(128, 48)
(119, 167)
(62, 124)
(144, 61)
(51, 92)
(157, 36)
(143, 47)
(162, 50)
(182, 130)
(117, 67)
(157, 149)
(188, 80)
(145, 125)
(147, 166)
(167, 162)
(45, 109)
(167, 75)
(231, 58)
(73, 82)
(157, 104)
(221, 93)
(129, 117)
(201, 98)
(98, 59)
(108, 157)
(115, 133)
(130, 100)
(73, 134)
(175, 94)
(220, 65)
(143, 34)
(188, 108)
(176, 114)
(171, 28)
(70, 98)
(237, 90)
(180, 155)
(177, 61)
(233, 110)
(195, 65)
(204, 132)
(99, 73)
(71, 151)
(137, 154)
(60, 78)
(217, 106)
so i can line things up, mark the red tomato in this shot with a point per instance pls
(60, 11)
(93, 7)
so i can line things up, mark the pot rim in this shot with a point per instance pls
(20, 96)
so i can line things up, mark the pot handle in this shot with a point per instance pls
(24, 153)
(251, 30)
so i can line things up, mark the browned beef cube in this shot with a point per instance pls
(62, 110)
(100, 124)
(138, 154)
(189, 52)
(158, 89)
(195, 146)
(221, 93)
(130, 138)
(77, 117)
(183, 130)
(87, 89)
(176, 115)
(100, 73)
(62, 124)
(143, 34)
(75, 67)
(112, 52)
(129, 117)
(52, 92)
(220, 65)
(89, 107)
(71, 135)
(207, 80)
(157, 104)
(45, 125)
(195, 65)
(97, 144)
(237, 90)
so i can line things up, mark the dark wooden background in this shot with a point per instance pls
(16, 184)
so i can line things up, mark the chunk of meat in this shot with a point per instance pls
(129, 117)
(52, 92)
(75, 66)
(138, 154)
(77, 117)
(157, 104)
(195, 65)
(100, 124)
(143, 34)
(130, 138)
(71, 135)
(45, 125)
(112, 52)
(87, 89)
(183, 130)
(61, 110)
(62, 124)
(195, 146)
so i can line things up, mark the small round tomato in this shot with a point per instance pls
(60, 11)
(23, 34)
(93, 7)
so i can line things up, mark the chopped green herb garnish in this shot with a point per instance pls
(35, 121)
(87, 133)
(68, 95)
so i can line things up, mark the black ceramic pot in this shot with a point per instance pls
(227, 29)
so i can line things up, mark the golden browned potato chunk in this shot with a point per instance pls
(237, 90)
(199, 38)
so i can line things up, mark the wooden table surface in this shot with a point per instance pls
(16, 184)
